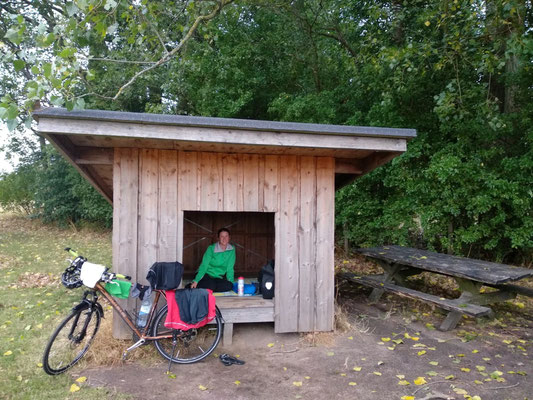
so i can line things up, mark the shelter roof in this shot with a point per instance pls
(87, 139)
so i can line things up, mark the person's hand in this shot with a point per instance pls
(193, 285)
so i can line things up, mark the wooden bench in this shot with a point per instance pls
(447, 304)
(247, 309)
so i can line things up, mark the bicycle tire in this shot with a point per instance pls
(65, 347)
(194, 345)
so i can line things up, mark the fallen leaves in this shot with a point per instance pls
(420, 381)
(74, 388)
(298, 383)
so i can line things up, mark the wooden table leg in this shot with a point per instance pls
(470, 293)
(390, 272)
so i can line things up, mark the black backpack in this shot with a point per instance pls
(266, 280)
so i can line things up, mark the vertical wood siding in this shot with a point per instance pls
(153, 188)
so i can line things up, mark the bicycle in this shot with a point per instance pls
(73, 337)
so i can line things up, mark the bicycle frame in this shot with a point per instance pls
(143, 335)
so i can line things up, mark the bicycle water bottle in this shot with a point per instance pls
(240, 286)
(142, 318)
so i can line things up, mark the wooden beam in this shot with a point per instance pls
(94, 156)
(227, 137)
(348, 166)
(65, 147)
(377, 159)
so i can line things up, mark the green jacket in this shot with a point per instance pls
(217, 263)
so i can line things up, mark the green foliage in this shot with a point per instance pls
(62, 195)
(16, 190)
(458, 71)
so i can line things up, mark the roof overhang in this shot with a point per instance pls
(87, 138)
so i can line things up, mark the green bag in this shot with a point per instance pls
(120, 289)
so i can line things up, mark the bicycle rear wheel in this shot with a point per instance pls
(192, 345)
(71, 340)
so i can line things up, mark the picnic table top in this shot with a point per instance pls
(476, 270)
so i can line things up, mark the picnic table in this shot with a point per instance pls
(471, 275)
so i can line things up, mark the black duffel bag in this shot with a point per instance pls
(266, 280)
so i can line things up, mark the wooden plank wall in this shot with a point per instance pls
(152, 189)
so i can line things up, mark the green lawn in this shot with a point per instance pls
(33, 301)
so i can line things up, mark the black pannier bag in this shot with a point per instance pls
(266, 280)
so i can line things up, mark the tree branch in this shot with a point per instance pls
(173, 52)
(119, 61)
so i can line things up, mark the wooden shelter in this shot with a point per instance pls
(168, 176)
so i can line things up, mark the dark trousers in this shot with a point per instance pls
(215, 284)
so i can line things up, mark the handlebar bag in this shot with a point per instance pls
(91, 273)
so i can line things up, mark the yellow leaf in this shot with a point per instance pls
(408, 398)
(270, 345)
(420, 380)
(307, 377)
(284, 368)
(352, 383)
(427, 23)
(385, 339)
(435, 363)
(81, 379)
(39, 326)
(478, 382)
(460, 391)
(421, 353)
(480, 367)
(415, 338)
(40, 365)
(486, 358)
(475, 351)
(460, 355)
(202, 387)
(237, 383)
(8, 353)
(343, 374)
(298, 384)
(403, 382)
(377, 373)
(391, 347)
(507, 341)
(357, 369)
(350, 337)
(400, 376)
(74, 388)
(465, 369)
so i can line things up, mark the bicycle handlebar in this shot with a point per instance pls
(109, 275)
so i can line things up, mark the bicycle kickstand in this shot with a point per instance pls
(174, 343)
(140, 342)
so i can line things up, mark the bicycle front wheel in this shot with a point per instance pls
(192, 345)
(71, 340)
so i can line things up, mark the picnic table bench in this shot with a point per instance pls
(399, 263)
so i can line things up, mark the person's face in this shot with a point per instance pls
(223, 238)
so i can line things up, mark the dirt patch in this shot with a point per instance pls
(35, 280)
(371, 361)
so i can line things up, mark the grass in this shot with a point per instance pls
(33, 302)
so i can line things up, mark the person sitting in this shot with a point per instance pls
(218, 260)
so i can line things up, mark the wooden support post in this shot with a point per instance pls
(227, 337)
